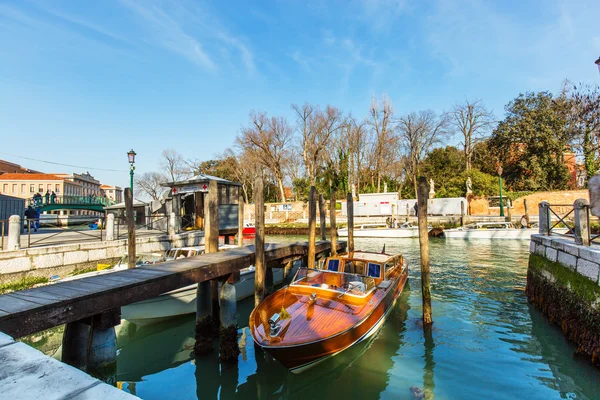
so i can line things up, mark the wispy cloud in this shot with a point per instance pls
(169, 34)
(301, 59)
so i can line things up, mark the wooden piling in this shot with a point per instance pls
(350, 212)
(407, 213)
(240, 235)
(423, 195)
(312, 226)
(509, 210)
(205, 327)
(526, 212)
(462, 213)
(211, 219)
(259, 242)
(332, 224)
(228, 346)
(323, 218)
(130, 228)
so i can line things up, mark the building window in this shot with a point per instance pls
(41, 188)
(49, 187)
(31, 188)
(57, 190)
(23, 188)
(14, 188)
(5, 188)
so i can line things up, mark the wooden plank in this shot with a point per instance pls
(14, 305)
(39, 299)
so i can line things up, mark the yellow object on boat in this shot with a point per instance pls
(284, 314)
(100, 267)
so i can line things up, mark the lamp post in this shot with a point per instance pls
(500, 181)
(597, 62)
(131, 158)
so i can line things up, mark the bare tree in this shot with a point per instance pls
(269, 139)
(150, 184)
(472, 120)
(418, 133)
(384, 144)
(316, 127)
(174, 165)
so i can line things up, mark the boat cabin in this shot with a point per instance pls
(354, 274)
(490, 225)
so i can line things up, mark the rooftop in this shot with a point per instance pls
(29, 177)
(200, 178)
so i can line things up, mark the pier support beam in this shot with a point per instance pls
(90, 344)
(14, 232)
(350, 207)
(423, 195)
(211, 222)
(259, 241)
(205, 327)
(228, 349)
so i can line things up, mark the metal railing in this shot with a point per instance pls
(69, 200)
(64, 230)
(575, 217)
(147, 225)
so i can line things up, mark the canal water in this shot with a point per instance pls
(487, 342)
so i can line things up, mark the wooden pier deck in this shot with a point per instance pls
(29, 311)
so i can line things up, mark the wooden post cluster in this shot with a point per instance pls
(350, 212)
(332, 223)
(312, 225)
(423, 195)
(130, 228)
(259, 241)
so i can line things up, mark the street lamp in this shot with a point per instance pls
(598, 63)
(500, 180)
(131, 158)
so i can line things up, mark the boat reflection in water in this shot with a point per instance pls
(164, 353)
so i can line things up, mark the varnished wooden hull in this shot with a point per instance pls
(308, 339)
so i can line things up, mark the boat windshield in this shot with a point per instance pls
(344, 283)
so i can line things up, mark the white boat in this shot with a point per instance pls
(406, 230)
(494, 230)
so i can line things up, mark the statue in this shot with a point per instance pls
(431, 189)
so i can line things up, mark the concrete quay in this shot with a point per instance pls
(63, 259)
(27, 373)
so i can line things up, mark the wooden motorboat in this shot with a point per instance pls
(249, 229)
(494, 230)
(406, 230)
(324, 311)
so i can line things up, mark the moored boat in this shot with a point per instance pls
(406, 230)
(325, 311)
(494, 230)
(249, 229)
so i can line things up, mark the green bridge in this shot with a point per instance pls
(51, 203)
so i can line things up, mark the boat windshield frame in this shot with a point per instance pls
(354, 285)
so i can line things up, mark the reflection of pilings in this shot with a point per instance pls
(428, 380)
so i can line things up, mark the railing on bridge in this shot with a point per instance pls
(574, 217)
(69, 200)
(77, 228)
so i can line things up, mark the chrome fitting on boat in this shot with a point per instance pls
(274, 324)
(313, 296)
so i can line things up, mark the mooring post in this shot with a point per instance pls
(509, 210)
(172, 224)
(110, 227)
(526, 212)
(323, 218)
(423, 192)
(14, 232)
(544, 218)
(581, 209)
(350, 212)
(259, 243)
(90, 344)
(332, 223)
(312, 225)
(130, 228)
(240, 234)
(228, 348)
(211, 220)
(269, 281)
(407, 213)
(205, 327)
(462, 213)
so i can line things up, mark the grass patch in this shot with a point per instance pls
(83, 271)
(21, 284)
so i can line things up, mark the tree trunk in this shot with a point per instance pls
(588, 154)
(281, 189)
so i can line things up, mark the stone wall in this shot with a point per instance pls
(563, 280)
(64, 259)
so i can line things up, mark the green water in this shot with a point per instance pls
(487, 342)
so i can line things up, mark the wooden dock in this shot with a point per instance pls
(29, 311)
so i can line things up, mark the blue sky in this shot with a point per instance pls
(82, 82)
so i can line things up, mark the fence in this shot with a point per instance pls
(148, 225)
(77, 229)
(568, 220)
